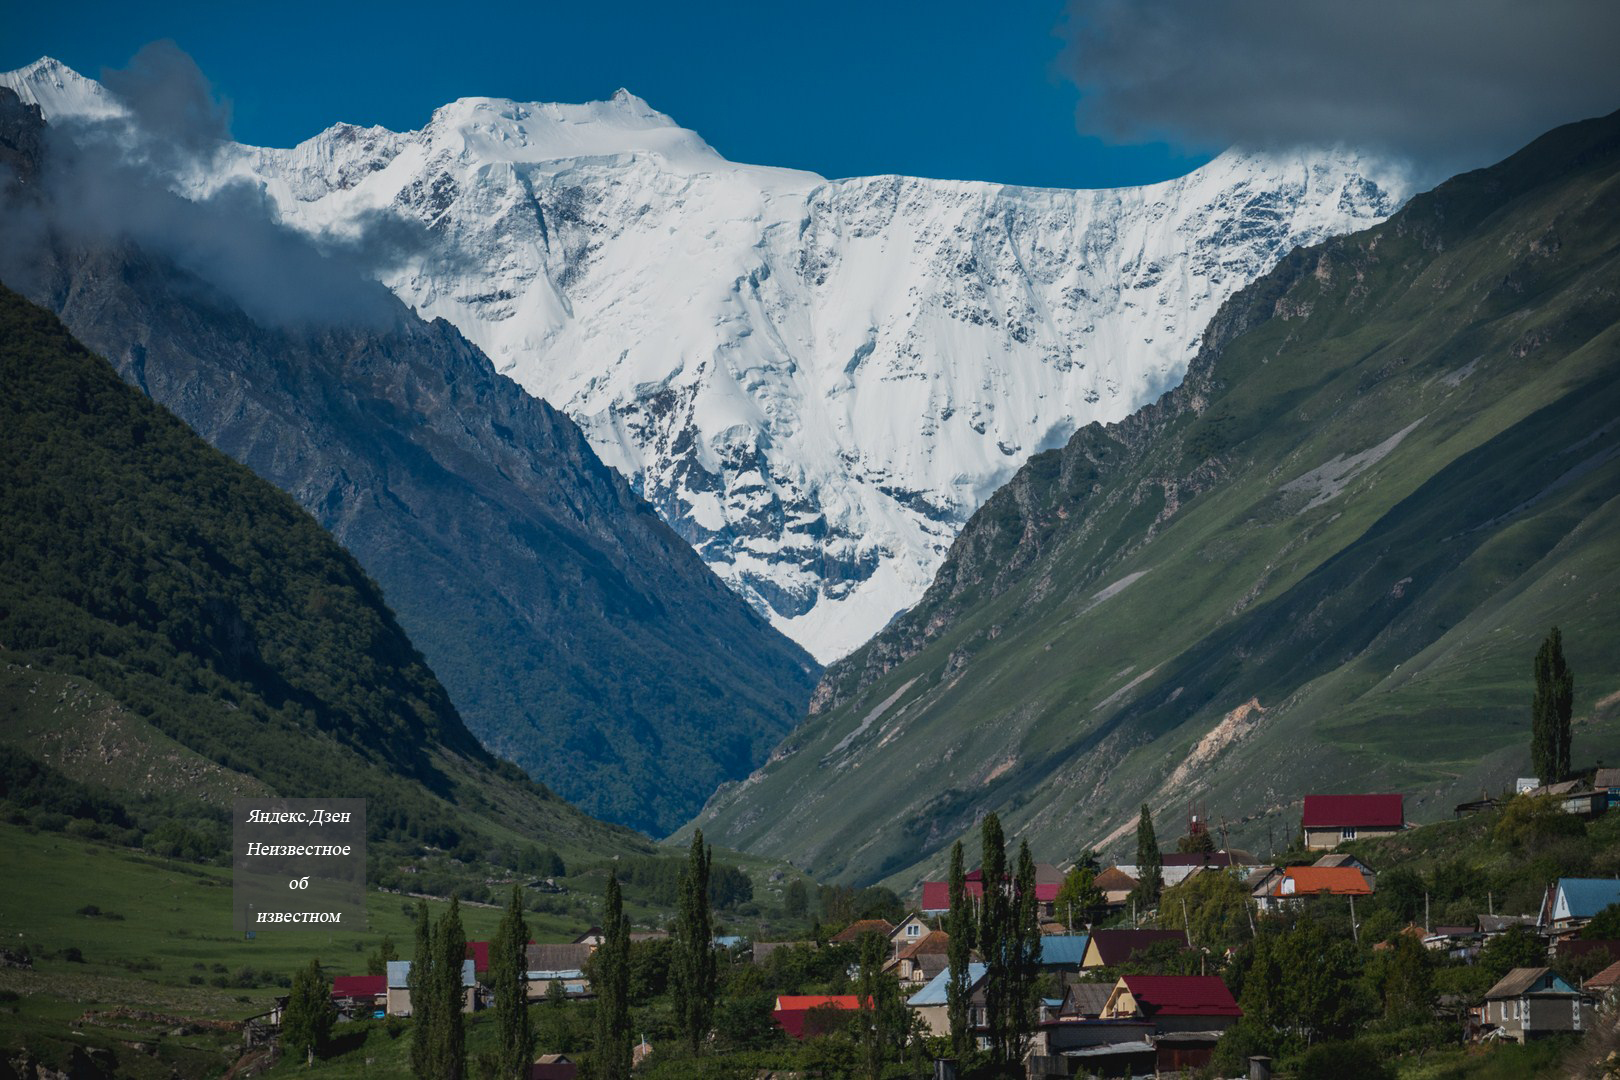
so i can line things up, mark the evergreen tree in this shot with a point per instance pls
(1024, 957)
(611, 979)
(694, 971)
(1550, 711)
(796, 900)
(959, 926)
(423, 1012)
(1149, 864)
(884, 1021)
(449, 956)
(377, 962)
(306, 1023)
(508, 968)
(995, 919)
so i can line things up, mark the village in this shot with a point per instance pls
(1142, 968)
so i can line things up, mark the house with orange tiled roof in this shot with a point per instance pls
(1303, 882)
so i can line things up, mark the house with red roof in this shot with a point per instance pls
(936, 895)
(1110, 948)
(360, 995)
(478, 953)
(804, 1015)
(1188, 1014)
(1330, 820)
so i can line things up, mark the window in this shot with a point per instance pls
(1348, 833)
(913, 930)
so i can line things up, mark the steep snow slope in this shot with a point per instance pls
(815, 382)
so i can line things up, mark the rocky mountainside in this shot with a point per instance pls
(579, 636)
(1324, 562)
(814, 382)
(228, 640)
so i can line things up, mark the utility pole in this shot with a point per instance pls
(1426, 911)
(1355, 936)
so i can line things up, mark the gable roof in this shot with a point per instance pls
(1606, 778)
(1521, 981)
(934, 992)
(1340, 858)
(1064, 949)
(1181, 995)
(1113, 879)
(1118, 946)
(1196, 858)
(556, 957)
(1310, 880)
(1365, 811)
(861, 926)
(1607, 979)
(792, 1002)
(933, 943)
(1588, 896)
(399, 974)
(359, 985)
(1086, 999)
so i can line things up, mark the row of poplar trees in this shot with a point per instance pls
(1003, 925)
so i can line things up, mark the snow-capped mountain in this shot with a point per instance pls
(815, 381)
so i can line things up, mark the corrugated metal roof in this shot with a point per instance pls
(1067, 949)
(1310, 880)
(1521, 981)
(399, 974)
(1588, 896)
(1182, 995)
(359, 985)
(1117, 946)
(1365, 811)
(934, 992)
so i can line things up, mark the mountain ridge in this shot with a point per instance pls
(1325, 558)
(814, 381)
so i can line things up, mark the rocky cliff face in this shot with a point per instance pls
(814, 382)
(578, 634)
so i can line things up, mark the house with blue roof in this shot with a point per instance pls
(1573, 902)
(399, 987)
(1064, 952)
(929, 1003)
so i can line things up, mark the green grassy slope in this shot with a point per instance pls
(204, 637)
(1390, 470)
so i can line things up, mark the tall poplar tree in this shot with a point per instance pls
(1024, 957)
(418, 982)
(1149, 863)
(611, 981)
(959, 954)
(1550, 711)
(449, 959)
(694, 971)
(508, 968)
(994, 924)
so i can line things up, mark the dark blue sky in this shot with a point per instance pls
(962, 90)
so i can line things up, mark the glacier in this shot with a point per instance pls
(814, 381)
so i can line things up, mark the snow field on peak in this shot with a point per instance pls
(815, 382)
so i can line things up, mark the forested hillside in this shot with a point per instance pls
(212, 630)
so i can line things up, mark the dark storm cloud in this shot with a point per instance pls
(112, 180)
(1446, 84)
